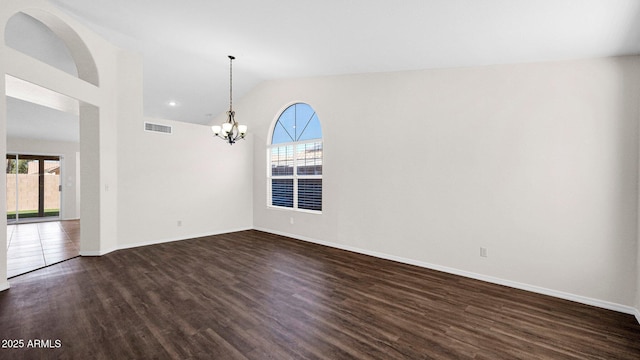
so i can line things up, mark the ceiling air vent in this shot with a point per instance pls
(165, 129)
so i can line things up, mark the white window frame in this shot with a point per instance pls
(295, 176)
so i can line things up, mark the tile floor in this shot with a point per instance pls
(36, 245)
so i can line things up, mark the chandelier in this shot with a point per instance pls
(230, 131)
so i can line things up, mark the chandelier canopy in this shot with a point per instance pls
(230, 131)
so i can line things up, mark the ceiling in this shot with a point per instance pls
(185, 44)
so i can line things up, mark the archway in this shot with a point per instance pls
(33, 70)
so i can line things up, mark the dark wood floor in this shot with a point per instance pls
(252, 295)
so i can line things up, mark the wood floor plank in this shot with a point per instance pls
(253, 295)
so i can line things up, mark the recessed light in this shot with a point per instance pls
(173, 103)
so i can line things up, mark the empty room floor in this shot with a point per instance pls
(36, 245)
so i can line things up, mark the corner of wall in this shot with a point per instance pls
(637, 282)
(636, 303)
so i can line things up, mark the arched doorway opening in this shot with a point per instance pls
(59, 70)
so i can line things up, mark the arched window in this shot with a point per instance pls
(295, 160)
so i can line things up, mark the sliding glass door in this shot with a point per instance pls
(33, 187)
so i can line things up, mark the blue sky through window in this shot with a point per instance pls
(298, 122)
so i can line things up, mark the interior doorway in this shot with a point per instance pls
(39, 35)
(33, 188)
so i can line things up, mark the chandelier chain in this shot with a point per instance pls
(231, 83)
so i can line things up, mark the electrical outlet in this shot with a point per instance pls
(291, 220)
(484, 252)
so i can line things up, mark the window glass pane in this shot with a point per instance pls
(309, 157)
(51, 187)
(282, 161)
(310, 194)
(311, 129)
(28, 189)
(285, 129)
(282, 192)
(280, 135)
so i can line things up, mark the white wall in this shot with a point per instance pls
(4, 284)
(68, 179)
(536, 162)
(637, 302)
(188, 177)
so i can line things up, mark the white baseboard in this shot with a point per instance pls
(97, 252)
(4, 286)
(166, 240)
(513, 284)
(160, 241)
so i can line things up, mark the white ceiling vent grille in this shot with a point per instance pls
(164, 129)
